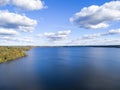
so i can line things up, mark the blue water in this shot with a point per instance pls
(63, 68)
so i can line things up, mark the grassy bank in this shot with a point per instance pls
(12, 53)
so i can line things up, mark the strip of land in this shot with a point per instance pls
(12, 53)
(106, 46)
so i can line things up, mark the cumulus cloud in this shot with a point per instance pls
(4, 2)
(8, 32)
(29, 4)
(25, 4)
(94, 17)
(60, 35)
(16, 21)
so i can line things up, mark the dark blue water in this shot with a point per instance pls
(63, 68)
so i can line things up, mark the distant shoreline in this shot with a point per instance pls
(106, 46)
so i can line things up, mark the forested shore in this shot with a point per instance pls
(8, 53)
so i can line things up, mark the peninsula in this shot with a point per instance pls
(8, 53)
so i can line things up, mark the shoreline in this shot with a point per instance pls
(105, 46)
(11, 53)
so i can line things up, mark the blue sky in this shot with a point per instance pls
(59, 22)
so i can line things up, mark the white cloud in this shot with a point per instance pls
(60, 35)
(114, 31)
(8, 32)
(93, 39)
(16, 21)
(103, 41)
(25, 4)
(25, 39)
(29, 4)
(96, 35)
(94, 17)
(92, 36)
(60, 38)
(39, 35)
(26, 29)
(17, 39)
(4, 2)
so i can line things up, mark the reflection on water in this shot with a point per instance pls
(67, 68)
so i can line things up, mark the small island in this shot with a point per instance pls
(8, 53)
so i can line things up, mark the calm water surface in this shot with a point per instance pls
(63, 68)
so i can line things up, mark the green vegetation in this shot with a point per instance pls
(12, 53)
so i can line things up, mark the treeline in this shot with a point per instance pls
(12, 53)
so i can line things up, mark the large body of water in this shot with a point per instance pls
(63, 68)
